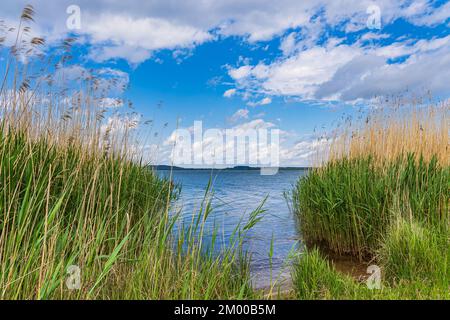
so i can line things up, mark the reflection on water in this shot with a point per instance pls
(236, 194)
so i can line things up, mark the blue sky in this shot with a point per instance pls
(298, 66)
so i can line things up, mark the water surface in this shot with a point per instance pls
(236, 194)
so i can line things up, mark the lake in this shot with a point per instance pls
(236, 193)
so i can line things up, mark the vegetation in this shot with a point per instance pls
(72, 192)
(383, 196)
(109, 217)
(348, 205)
(75, 191)
(314, 277)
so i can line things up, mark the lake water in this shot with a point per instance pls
(236, 194)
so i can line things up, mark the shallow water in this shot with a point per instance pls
(236, 194)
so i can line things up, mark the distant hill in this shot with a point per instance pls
(241, 168)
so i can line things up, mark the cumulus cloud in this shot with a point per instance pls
(374, 36)
(117, 124)
(299, 75)
(135, 38)
(264, 101)
(288, 43)
(292, 151)
(308, 151)
(337, 71)
(311, 61)
(135, 29)
(229, 93)
(108, 102)
(254, 125)
(426, 67)
(429, 71)
(422, 13)
(108, 80)
(238, 115)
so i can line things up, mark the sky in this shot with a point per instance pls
(297, 66)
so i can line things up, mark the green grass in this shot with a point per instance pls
(62, 206)
(348, 204)
(413, 253)
(393, 213)
(74, 192)
(314, 278)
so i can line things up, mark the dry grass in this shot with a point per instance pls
(388, 133)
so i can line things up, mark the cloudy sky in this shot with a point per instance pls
(299, 66)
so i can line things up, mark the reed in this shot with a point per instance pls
(73, 191)
(347, 204)
(399, 128)
(382, 196)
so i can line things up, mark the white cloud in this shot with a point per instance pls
(336, 71)
(240, 73)
(71, 73)
(308, 151)
(117, 124)
(288, 43)
(430, 71)
(366, 76)
(135, 29)
(421, 13)
(262, 102)
(254, 125)
(305, 151)
(299, 75)
(108, 102)
(265, 101)
(135, 38)
(229, 147)
(107, 79)
(374, 36)
(238, 115)
(229, 93)
(133, 55)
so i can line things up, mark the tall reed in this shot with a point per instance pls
(386, 133)
(74, 192)
(347, 204)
